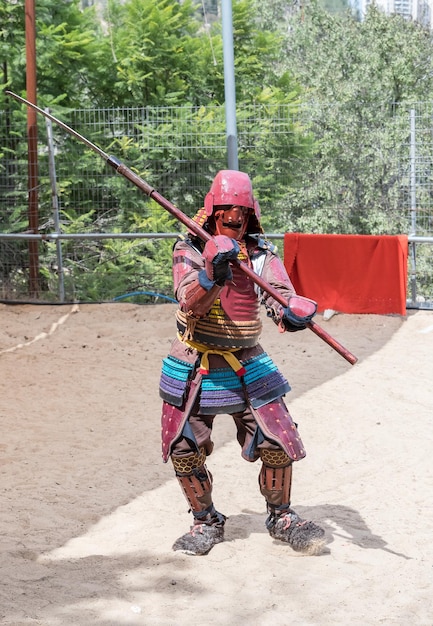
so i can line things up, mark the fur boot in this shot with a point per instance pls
(302, 535)
(207, 531)
(200, 539)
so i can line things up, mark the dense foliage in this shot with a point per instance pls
(347, 85)
(364, 77)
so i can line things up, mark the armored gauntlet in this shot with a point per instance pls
(217, 254)
(298, 312)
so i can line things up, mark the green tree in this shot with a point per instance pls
(12, 39)
(355, 75)
(68, 39)
(383, 59)
(153, 48)
(68, 42)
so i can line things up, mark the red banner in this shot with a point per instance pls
(349, 273)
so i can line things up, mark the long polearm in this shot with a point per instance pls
(188, 222)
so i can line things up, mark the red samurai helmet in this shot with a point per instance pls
(230, 205)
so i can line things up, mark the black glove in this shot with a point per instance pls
(217, 253)
(298, 312)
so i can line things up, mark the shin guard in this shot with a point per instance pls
(195, 480)
(275, 479)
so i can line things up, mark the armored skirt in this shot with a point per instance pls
(222, 390)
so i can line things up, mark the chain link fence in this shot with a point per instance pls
(321, 169)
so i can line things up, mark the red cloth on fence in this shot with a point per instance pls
(349, 273)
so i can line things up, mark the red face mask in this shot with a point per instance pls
(231, 221)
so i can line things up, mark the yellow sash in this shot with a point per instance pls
(227, 354)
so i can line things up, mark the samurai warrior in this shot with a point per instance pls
(217, 366)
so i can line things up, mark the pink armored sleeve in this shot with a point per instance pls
(276, 275)
(187, 262)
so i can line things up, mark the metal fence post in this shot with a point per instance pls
(413, 226)
(229, 85)
(55, 205)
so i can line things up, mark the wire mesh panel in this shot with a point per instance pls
(419, 199)
(320, 169)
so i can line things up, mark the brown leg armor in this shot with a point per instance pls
(195, 480)
(275, 479)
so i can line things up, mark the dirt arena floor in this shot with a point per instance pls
(89, 512)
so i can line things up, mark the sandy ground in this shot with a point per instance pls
(89, 511)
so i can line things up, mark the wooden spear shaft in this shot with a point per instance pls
(188, 222)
